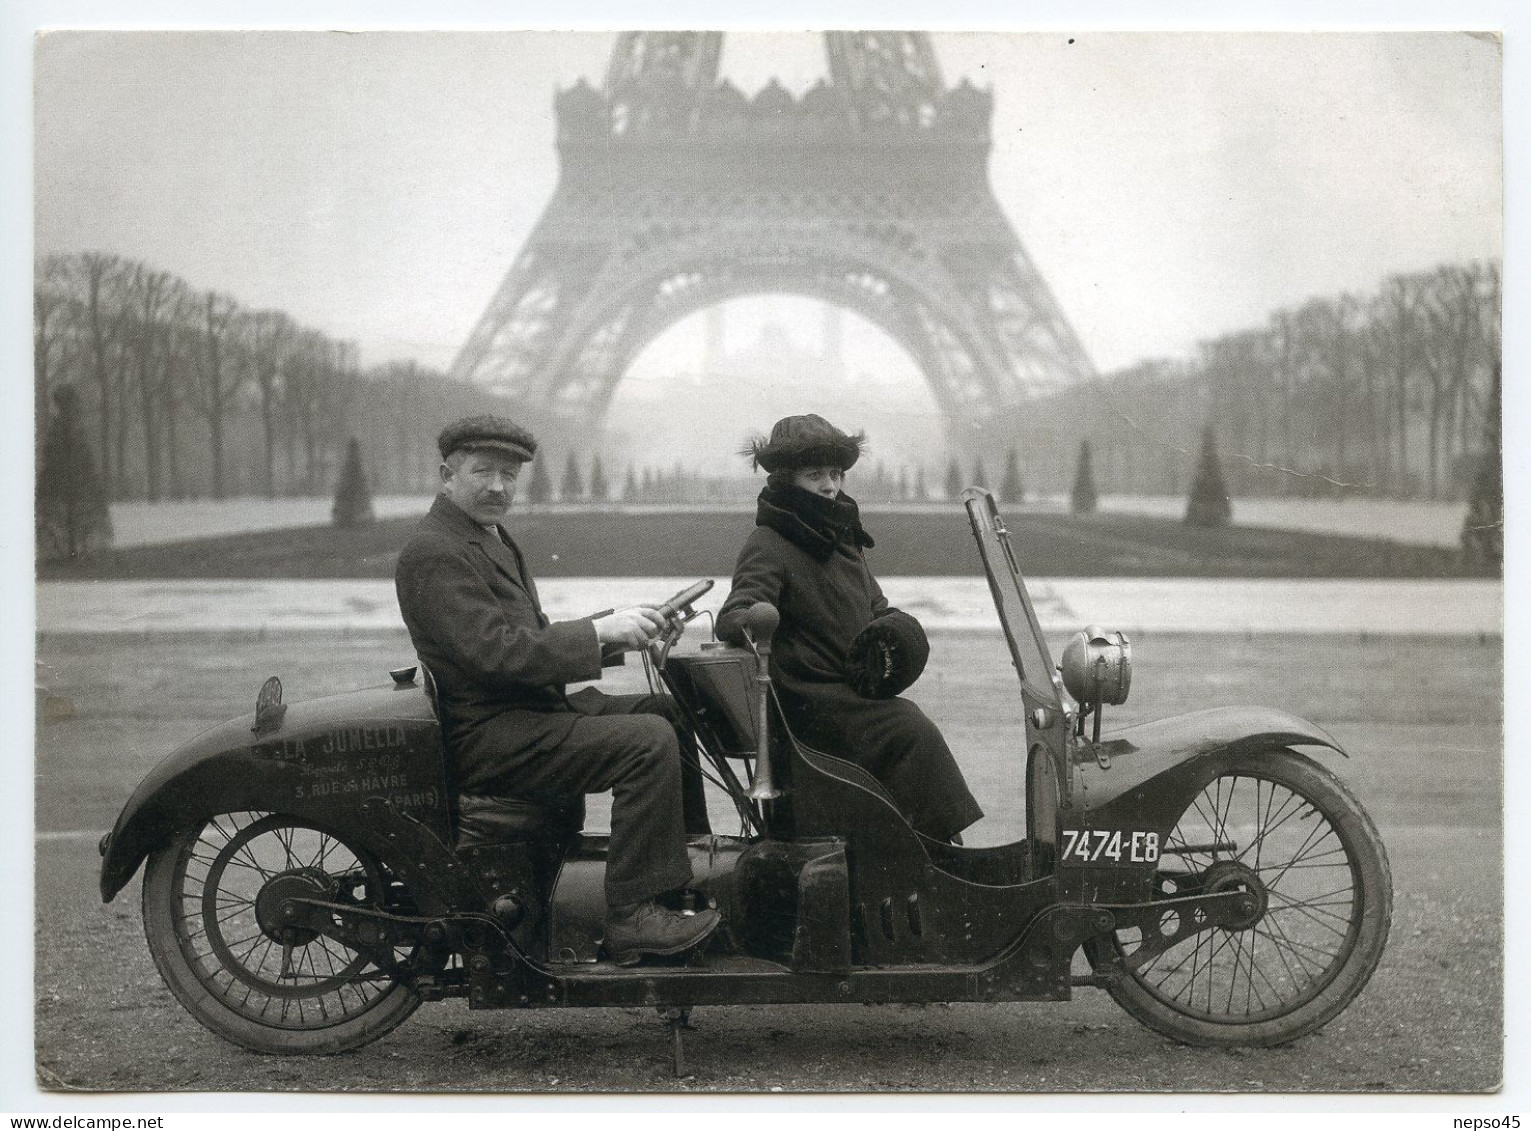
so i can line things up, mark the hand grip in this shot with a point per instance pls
(687, 595)
(761, 622)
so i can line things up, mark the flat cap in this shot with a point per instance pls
(494, 432)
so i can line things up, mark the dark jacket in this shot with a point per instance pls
(826, 595)
(472, 611)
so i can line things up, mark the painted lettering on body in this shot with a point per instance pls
(358, 740)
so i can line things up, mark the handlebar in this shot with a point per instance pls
(676, 612)
(680, 603)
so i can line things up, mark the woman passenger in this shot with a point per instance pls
(805, 556)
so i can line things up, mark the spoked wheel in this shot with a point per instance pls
(1286, 831)
(212, 914)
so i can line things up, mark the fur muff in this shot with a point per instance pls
(887, 656)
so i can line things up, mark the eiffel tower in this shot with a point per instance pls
(678, 191)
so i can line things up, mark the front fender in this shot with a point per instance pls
(1131, 762)
(321, 762)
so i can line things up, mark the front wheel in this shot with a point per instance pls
(211, 903)
(1283, 828)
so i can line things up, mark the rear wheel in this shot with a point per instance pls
(211, 908)
(1284, 829)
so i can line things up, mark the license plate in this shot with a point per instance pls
(1110, 846)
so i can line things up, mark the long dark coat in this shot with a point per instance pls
(823, 605)
(472, 611)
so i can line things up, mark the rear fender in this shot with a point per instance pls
(322, 762)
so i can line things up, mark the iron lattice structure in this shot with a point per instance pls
(677, 191)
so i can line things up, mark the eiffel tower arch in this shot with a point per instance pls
(678, 191)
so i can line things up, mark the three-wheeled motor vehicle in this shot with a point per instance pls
(311, 880)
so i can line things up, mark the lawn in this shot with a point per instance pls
(920, 543)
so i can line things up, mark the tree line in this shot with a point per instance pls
(1386, 394)
(186, 393)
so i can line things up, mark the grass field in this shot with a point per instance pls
(1421, 722)
(929, 543)
(1421, 522)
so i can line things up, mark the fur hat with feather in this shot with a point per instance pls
(805, 441)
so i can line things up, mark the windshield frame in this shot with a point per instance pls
(1017, 615)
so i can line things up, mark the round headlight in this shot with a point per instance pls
(1097, 666)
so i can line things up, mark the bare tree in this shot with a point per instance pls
(1341, 389)
(140, 346)
(1284, 351)
(122, 372)
(216, 375)
(98, 278)
(1477, 388)
(1393, 338)
(177, 373)
(398, 414)
(55, 318)
(155, 303)
(319, 390)
(301, 400)
(272, 334)
(1236, 371)
(1452, 347)
(1329, 329)
(340, 388)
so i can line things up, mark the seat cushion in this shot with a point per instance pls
(485, 819)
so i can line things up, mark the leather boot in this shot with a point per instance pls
(637, 929)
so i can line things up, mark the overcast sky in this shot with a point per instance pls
(378, 185)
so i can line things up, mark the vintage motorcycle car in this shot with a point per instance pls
(311, 880)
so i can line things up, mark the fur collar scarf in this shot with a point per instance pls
(812, 522)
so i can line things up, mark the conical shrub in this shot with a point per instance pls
(540, 488)
(1011, 489)
(599, 488)
(1084, 498)
(1483, 525)
(73, 519)
(353, 497)
(572, 487)
(1208, 504)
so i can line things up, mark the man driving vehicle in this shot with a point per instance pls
(472, 611)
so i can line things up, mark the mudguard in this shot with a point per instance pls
(324, 761)
(1129, 759)
(1139, 780)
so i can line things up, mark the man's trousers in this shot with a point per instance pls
(628, 744)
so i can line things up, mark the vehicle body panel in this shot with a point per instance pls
(322, 761)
